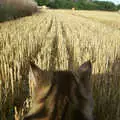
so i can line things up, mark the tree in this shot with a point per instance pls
(68, 4)
(42, 2)
(118, 7)
(104, 5)
(79, 4)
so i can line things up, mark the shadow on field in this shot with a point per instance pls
(106, 90)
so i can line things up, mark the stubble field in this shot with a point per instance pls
(60, 40)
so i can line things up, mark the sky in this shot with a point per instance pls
(114, 1)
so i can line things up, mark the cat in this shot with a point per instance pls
(61, 95)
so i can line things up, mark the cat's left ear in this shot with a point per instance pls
(36, 74)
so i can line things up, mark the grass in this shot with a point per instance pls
(59, 39)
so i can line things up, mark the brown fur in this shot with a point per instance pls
(61, 95)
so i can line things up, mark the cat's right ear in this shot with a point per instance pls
(85, 71)
(35, 74)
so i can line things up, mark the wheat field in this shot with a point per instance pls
(60, 40)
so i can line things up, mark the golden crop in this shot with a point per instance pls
(60, 39)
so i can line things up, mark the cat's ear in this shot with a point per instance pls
(36, 75)
(86, 68)
(85, 71)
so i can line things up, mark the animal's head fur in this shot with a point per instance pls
(61, 95)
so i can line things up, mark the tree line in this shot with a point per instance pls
(80, 4)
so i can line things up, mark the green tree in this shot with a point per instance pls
(118, 7)
(82, 4)
(42, 2)
(102, 5)
(68, 4)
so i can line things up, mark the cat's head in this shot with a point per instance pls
(76, 85)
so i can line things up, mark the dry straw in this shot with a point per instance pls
(58, 39)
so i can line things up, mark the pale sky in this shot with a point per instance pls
(114, 1)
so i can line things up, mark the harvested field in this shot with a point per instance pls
(60, 40)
